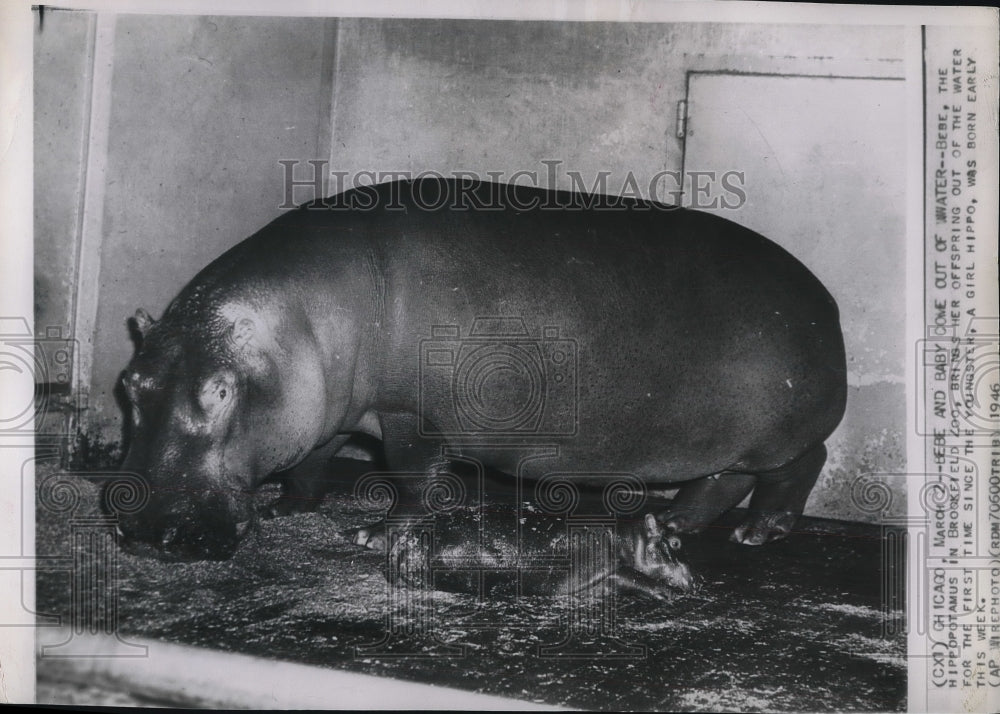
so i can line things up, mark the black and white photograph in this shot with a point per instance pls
(605, 356)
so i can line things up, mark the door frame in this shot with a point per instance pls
(683, 114)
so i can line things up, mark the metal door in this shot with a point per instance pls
(822, 161)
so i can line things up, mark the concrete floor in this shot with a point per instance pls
(799, 625)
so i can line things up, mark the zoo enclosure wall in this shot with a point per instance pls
(158, 141)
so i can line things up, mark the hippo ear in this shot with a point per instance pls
(242, 331)
(652, 527)
(139, 325)
(142, 322)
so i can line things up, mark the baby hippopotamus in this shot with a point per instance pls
(477, 549)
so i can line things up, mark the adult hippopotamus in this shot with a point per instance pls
(628, 336)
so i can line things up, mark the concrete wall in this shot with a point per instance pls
(445, 95)
(202, 109)
(62, 103)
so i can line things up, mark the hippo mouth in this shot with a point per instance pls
(177, 545)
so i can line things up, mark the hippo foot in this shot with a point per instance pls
(684, 522)
(700, 502)
(373, 537)
(761, 527)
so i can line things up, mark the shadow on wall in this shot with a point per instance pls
(869, 442)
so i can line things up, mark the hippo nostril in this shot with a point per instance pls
(168, 537)
(241, 528)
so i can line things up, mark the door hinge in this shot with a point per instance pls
(682, 118)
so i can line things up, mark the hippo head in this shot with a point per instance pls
(215, 408)
(657, 555)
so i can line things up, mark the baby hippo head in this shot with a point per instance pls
(658, 556)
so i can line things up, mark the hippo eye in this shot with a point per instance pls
(216, 392)
(220, 392)
(129, 389)
(674, 543)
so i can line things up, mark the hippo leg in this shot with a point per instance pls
(300, 493)
(698, 503)
(407, 454)
(778, 499)
(303, 487)
(374, 537)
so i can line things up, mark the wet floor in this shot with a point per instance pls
(812, 623)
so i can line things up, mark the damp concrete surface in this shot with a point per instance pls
(810, 623)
